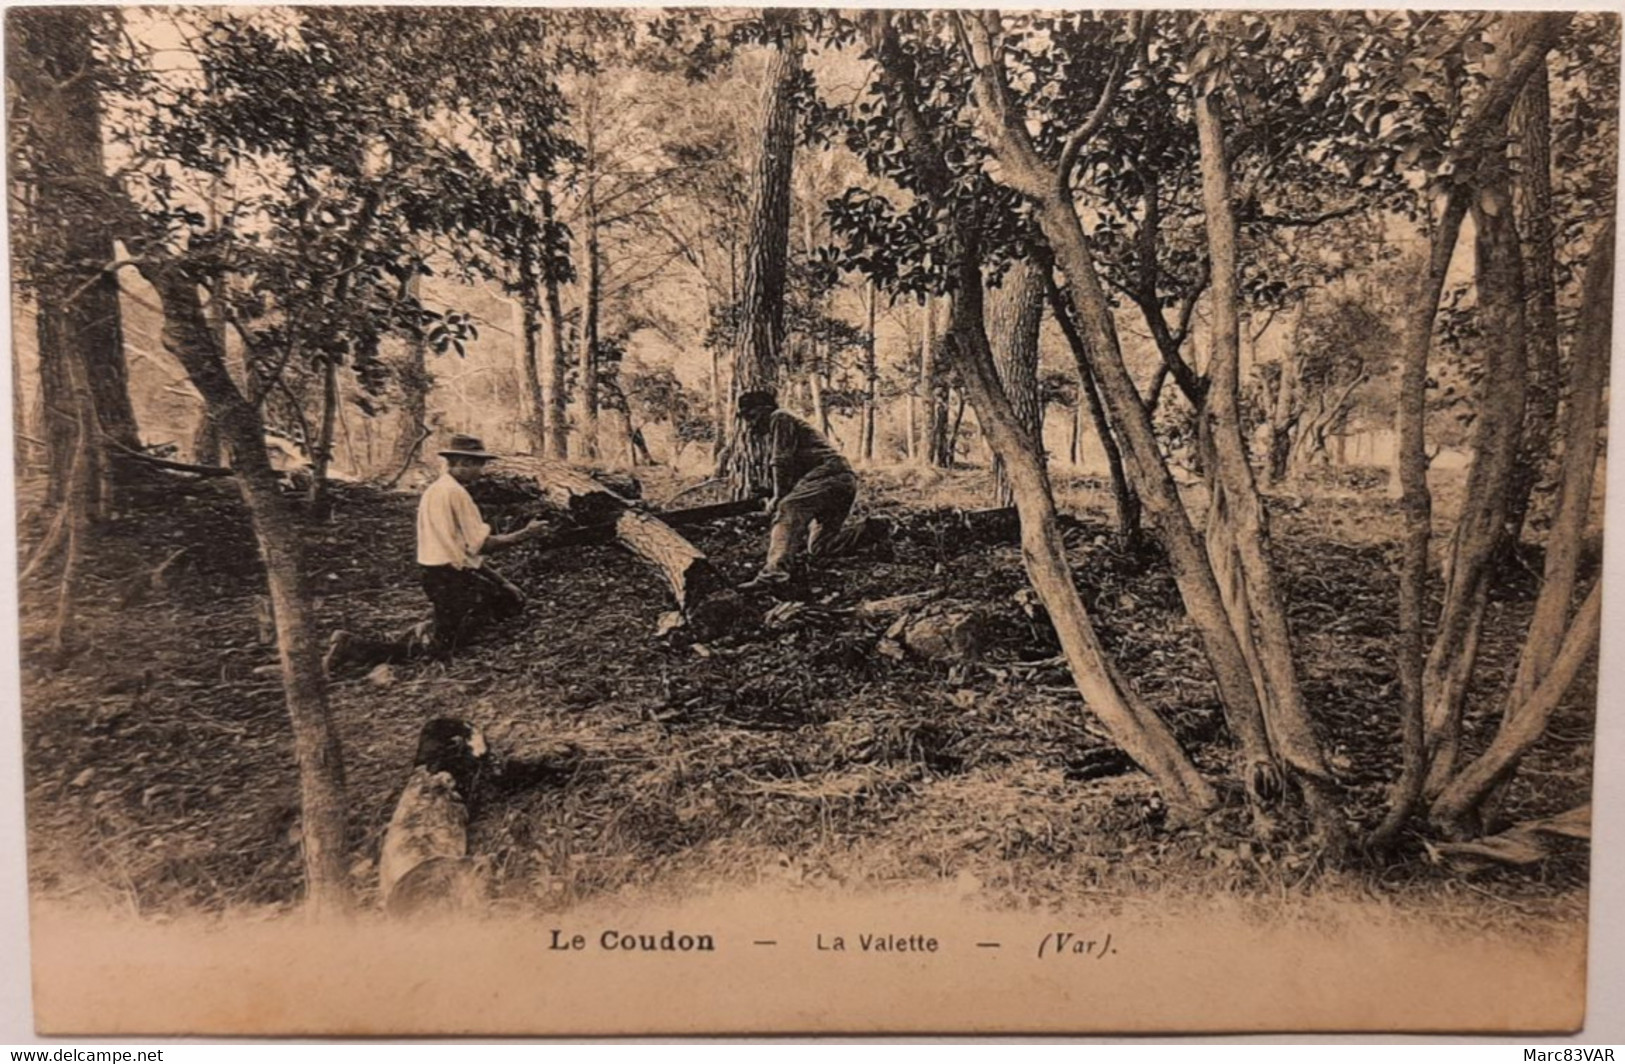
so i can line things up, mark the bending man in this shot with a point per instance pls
(813, 487)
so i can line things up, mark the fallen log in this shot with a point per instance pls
(424, 862)
(591, 535)
(590, 504)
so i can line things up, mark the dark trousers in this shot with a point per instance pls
(463, 600)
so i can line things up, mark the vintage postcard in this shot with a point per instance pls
(806, 521)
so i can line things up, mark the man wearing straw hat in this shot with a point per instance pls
(453, 540)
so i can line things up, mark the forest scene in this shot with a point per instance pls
(1225, 395)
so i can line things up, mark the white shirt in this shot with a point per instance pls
(450, 529)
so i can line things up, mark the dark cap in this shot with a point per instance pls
(757, 400)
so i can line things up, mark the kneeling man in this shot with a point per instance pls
(453, 541)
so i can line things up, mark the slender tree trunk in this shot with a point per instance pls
(1416, 507)
(1523, 725)
(1125, 501)
(414, 380)
(1588, 380)
(322, 453)
(321, 771)
(1132, 725)
(1482, 523)
(1256, 601)
(1017, 314)
(1466, 803)
(589, 314)
(933, 393)
(1058, 218)
(760, 344)
(871, 381)
(1074, 440)
(555, 363)
(532, 396)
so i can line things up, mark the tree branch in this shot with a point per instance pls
(1108, 94)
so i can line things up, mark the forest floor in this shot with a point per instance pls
(160, 772)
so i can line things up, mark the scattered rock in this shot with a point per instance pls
(946, 633)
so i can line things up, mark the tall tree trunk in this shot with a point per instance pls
(532, 397)
(1107, 693)
(555, 367)
(933, 393)
(414, 380)
(1531, 123)
(78, 303)
(1017, 313)
(1482, 524)
(321, 772)
(1588, 375)
(590, 310)
(333, 357)
(871, 381)
(1236, 509)
(759, 348)
(321, 453)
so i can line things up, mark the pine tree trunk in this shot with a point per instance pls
(555, 364)
(871, 380)
(1017, 313)
(321, 771)
(758, 353)
(1531, 123)
(532, 398)
(588, 360)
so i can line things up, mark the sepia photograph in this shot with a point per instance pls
(627, 521)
